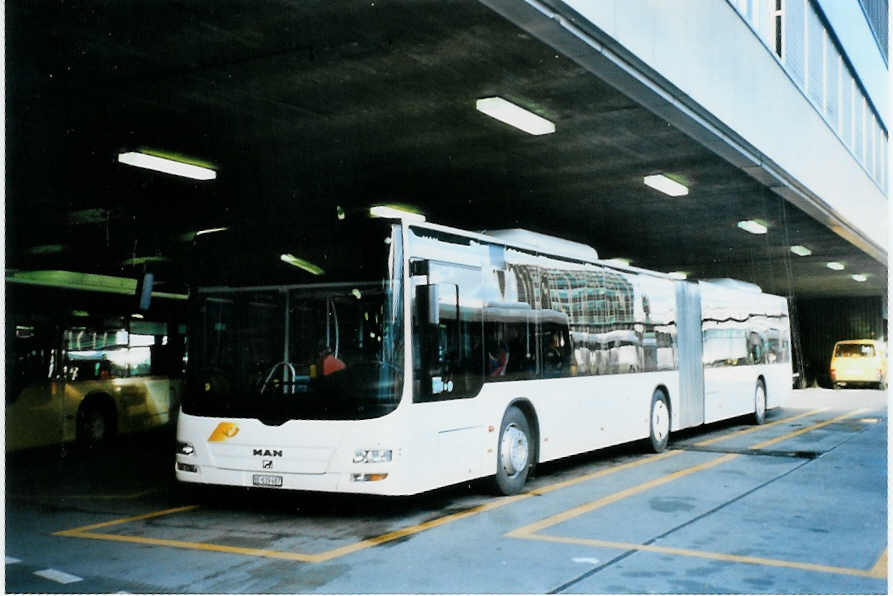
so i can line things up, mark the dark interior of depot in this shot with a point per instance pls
(311, 110)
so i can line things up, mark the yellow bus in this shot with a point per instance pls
(79, 369)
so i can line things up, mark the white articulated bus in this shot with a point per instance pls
(394, 356)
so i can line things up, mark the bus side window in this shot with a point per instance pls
(557, 356)
(28, 363)
(448, 353)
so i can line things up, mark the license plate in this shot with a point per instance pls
(267, 480)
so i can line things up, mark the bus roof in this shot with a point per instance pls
(514, 239)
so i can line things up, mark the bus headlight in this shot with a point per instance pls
(185, 448)
(371, 456)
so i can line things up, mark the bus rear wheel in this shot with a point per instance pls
(759, 404)
(95, 425)
(660, 421)
(513, 456)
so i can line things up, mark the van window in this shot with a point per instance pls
(854, 351)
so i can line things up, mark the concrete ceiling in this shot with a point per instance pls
(307, 105)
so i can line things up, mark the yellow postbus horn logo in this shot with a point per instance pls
(224, 431)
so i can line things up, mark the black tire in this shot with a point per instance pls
(512, 467)
(659, 421)
(759, 404)
(95, 425)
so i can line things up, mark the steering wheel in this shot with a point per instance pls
(285, 364)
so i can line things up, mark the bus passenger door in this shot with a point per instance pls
(448, 338)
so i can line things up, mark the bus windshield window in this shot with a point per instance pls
(330, 348)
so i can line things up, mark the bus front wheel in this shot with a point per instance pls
(513, 453)
(660, 421)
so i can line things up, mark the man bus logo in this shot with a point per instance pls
(268, 452)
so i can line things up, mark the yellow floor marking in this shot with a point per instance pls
(804, 430)
(598, 474)
(880, 568)
(220, 548)
(121, 497)
(592, 505)
(351, 548)
(564, 484)
(558, 518)
(530, 531)
(711, 555)
(756, 428)
(125, 520)
(85, 531)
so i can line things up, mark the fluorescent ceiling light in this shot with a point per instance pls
(859, 277)
(666, 185)
(513, 115)
(393, 212)
(144, 260)
(801, 251)
(618, 261)
(210, 231)
(754, 227)
(47, 249)
(167, 165)
(301, 264)
(678, 275)
(835, 266)
(83, 281)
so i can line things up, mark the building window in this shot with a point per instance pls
(846, 107)
(794, 31)
(814, 57)
(859, 127)
(778, 27)
(870, 143)
(832, 70)
(794, 40)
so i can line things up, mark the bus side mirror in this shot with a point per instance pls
(428, 304)
(144, 291)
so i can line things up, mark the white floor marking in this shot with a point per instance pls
(587, 560)
(58, 576)
(11, 560)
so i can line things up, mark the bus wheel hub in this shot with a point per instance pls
(514, 450)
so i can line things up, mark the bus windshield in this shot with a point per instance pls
(330, 348)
